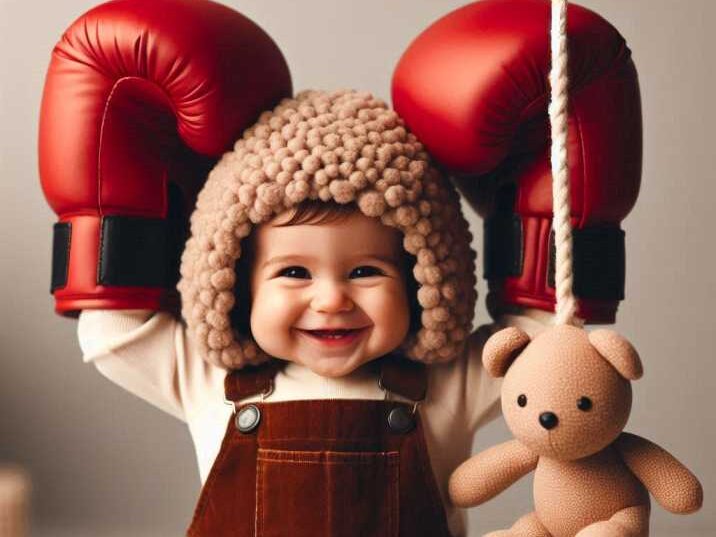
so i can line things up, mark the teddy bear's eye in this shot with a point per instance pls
(584, 403)
(522, 400)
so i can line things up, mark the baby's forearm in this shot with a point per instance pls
(142, 351)
(99, 331)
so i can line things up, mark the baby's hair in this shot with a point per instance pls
(311, 212)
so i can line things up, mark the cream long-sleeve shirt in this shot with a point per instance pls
(152, 356)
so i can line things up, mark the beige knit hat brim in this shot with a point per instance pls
(347, 147)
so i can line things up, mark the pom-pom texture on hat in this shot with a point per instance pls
(346, 147)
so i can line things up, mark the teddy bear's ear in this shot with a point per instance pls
(618, 352)
(502, 348)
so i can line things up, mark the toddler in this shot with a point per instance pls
(328, 285)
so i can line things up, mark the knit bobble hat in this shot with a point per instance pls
(347, 147)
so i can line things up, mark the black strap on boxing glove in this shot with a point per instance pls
(598, 256)
(134, 251)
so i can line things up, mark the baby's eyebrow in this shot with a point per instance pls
(285, 258)
(388, 259)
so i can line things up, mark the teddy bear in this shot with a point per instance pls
(566, 397)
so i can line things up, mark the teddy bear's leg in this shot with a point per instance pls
(634, 519)
(527, 526)
(629, 522)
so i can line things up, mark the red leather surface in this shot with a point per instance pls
(137, 93)
(474, 89)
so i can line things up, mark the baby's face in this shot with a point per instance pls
(331, 296)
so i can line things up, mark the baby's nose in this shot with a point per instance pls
(331, 297)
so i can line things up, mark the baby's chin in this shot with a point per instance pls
(332, 364)
(334, 367)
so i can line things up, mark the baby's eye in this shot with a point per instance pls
(295, 272)
(366, 271)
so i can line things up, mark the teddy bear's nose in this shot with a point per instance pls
(548, 420)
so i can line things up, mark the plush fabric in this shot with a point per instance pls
(566, 397)
(346, 147)
(490, 472)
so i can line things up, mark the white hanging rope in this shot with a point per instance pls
(566, 303)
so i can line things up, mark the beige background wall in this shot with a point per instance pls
(106, 464)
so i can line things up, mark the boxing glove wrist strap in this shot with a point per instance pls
(133, 252)
(598, 257)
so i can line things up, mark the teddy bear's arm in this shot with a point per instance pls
(675, 488)
(485, 475)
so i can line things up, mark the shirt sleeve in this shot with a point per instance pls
(482, 392)
(146, 353)
(462, 388)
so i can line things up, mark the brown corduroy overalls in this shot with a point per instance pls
(323, 468)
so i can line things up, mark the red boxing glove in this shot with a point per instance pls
(474, 88)
(140, 99)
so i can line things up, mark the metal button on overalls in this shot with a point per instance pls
(323, 468)
(248, 418)
(400, 420)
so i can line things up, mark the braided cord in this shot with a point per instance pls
(566, 303)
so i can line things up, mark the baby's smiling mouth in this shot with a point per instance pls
(333, 335)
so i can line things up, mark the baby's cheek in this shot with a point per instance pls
(270, 297)
(272, 315)
(390, 311)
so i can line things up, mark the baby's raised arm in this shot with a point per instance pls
(150, 355)
(480, 391)
(143, 135)
(136, 349)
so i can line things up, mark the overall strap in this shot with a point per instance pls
(403, 377)
(251, 380)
